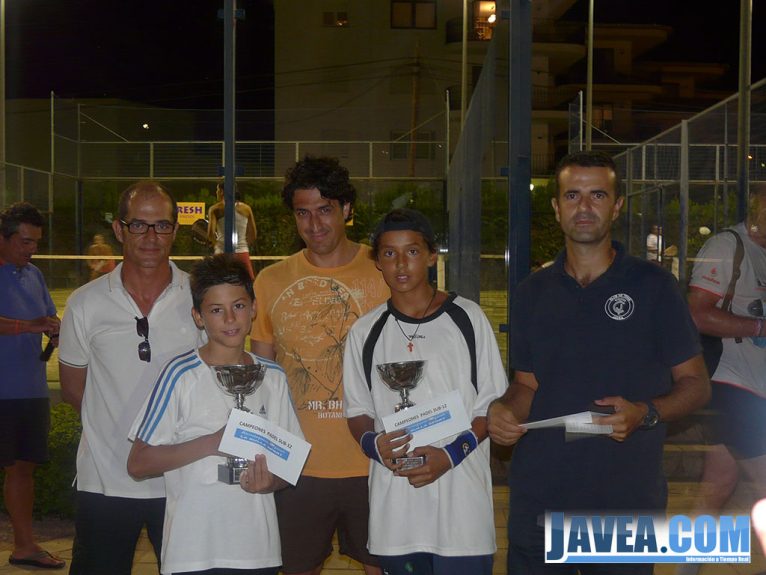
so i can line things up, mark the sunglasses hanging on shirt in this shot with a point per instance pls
(144, 349)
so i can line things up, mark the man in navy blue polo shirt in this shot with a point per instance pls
(597, 326)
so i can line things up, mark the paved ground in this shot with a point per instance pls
(57, 537)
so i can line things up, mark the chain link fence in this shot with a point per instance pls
(685, 180)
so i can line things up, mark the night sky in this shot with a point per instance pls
(702, 31)
(169, 53)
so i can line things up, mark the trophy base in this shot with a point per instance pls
(410, 462)
(229, 475)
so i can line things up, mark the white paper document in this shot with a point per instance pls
(247, 434)
(573, 423)
(432, 420)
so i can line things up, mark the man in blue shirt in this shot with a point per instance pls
(26, 312)
(598, 326)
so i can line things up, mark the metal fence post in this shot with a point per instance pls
(684, 203)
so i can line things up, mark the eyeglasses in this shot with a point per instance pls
(144, 349)
(138, 227)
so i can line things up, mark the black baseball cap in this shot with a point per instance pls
(404, 219)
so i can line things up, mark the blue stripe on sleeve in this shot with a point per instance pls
(269, 363)
(154, 391)
(163, 390)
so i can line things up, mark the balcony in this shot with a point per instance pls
(479, 30)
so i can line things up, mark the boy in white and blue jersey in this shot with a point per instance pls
(434, 518)
(211, 526)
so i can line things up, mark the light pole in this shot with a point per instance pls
(2, 103)
(589, 81)
(743, 110)
(464, 67)
(2, 85)
(229, 119)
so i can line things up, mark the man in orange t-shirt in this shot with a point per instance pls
(306, 305)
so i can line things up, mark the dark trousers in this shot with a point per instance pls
(430, 564)
(107, 530)
(524, 561)
(264, 571)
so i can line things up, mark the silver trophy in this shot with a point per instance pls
(401, 376)
(239, 381)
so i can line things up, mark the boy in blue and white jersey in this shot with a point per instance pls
(210, 524)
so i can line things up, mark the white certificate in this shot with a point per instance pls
(430, 421)
(573, 423)
(247, 434)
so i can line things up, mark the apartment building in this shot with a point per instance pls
(392, 70)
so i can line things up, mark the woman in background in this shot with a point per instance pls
(244, 227)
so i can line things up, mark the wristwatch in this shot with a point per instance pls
(652, 417)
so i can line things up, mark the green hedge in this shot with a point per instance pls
(54, 493)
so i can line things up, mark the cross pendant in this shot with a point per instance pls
(410, 346)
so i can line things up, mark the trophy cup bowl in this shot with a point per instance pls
(402, 376)
(238, 381)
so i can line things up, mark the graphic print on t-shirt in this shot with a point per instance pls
(313, 316)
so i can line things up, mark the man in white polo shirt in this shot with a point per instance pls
(117, 332)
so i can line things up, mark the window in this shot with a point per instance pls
(425, 150)
(413, 14)
(483, 19)
(603, 115)
(335, 19)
